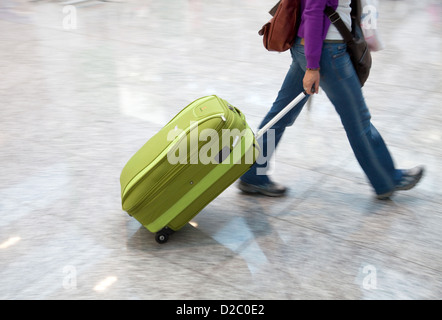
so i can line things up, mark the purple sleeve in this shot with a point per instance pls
(314, 27)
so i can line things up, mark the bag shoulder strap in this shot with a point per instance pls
(338, 23)
(273, 10)
(356, 11)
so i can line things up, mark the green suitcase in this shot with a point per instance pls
(187, 164)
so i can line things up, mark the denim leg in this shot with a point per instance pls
(291, 87)
(340, 83)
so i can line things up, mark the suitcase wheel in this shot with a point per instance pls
(163, 235)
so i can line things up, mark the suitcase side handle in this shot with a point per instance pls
(281, 114)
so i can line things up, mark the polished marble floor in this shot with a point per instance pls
(83, 84)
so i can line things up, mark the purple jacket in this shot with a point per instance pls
(314, 27)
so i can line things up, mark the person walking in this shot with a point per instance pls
(320, 58)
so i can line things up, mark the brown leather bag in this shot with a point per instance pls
(280, 32)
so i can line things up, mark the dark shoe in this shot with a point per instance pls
(409, 179)
(270, 189)
(384, 196)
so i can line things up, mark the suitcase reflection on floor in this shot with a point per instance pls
(225, 234)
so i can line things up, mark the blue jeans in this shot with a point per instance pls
(340, 82)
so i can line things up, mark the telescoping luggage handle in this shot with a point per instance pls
(281, 114)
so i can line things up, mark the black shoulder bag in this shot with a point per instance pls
(357, 47)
